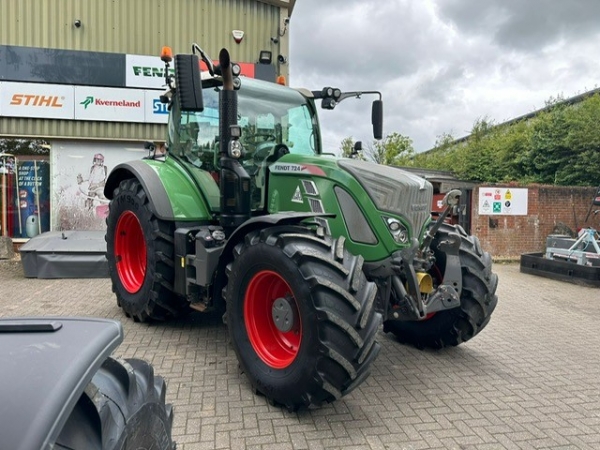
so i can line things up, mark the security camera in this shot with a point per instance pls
(275, 40)
(286, 21)
(282, 59)
(77, 23)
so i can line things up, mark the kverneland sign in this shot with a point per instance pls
(106, 104)
(91, 100)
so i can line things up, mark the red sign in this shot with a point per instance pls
(247, 69)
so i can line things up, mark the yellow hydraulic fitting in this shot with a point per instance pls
(425, 282)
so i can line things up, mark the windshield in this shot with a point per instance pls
(268, 114)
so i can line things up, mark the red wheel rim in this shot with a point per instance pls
(130, 252)
(276, 348)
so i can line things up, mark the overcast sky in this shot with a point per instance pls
(442, 64)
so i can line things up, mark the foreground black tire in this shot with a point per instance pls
(123, 408)
(140, 251)
(301, 316)
(477, 302)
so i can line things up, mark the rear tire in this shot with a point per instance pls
(326, 338)
(140, 251)
(477, 301)
(123, 408)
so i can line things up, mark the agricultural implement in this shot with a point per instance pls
(573, 259)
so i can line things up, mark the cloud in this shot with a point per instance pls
(524, 25)
(442, 64)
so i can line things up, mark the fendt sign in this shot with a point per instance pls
(149, 71)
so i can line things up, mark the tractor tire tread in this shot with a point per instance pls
(123, 398)
(345, 349)
(478, 300)
(159, 303)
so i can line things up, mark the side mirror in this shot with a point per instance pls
(189, 84)
(377, 119)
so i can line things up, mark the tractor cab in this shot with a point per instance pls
(274, 121)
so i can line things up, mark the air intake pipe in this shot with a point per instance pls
(234, 180)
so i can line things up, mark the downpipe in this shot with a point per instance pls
(416, 297)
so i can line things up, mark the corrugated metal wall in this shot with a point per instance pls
(139, 27)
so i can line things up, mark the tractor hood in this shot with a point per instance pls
(393, 190)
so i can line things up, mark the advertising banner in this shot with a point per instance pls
(46, 101)
(149, 71)
(495, 201)
(106, 104)
(33, 199)
(154, 110)
(145, 72)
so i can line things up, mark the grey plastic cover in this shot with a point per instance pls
(67, 254)
(45, 365)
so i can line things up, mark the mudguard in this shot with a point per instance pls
(285, 218)
(173, 193)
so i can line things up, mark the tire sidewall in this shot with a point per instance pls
(253, 260)
(124, 201)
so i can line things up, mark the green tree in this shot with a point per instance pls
(21, 147)
(347, 147)
(393, 150)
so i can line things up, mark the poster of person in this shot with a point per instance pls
(80, 173)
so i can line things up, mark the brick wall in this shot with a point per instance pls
(507, 237)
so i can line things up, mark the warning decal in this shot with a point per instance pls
(495, 201)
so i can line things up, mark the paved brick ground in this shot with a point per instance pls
(529, 381)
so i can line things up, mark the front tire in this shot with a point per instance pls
(140, 251)
(477, 299)
(123, 408)
(301, 316)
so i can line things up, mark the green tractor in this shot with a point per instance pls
(306, 253)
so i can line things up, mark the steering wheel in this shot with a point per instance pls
(262, 152)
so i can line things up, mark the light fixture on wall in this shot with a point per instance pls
(238, 35)
(77, 23)
(265, 57)
(282, 59)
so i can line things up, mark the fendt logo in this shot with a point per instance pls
(90, 100)
(50, 101)
(140, 71)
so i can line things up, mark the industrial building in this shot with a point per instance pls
(79, 92)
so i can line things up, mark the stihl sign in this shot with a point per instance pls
(52, 101)
(44, 101)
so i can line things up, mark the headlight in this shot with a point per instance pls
(397, 229)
